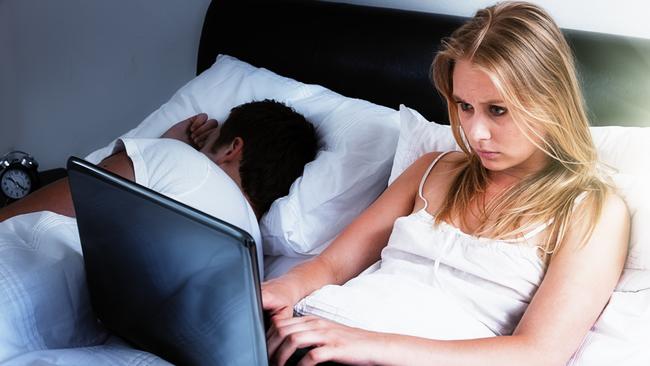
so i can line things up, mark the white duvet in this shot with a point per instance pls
(45, 313)
(46, 318)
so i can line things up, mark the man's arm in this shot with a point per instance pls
(56, 196)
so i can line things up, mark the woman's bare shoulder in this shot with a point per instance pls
(450, 160)
(447, 165)
(411, 177)
(616, 204)
(613, 223)
(613, 209)
(615, 215)
(438, 181)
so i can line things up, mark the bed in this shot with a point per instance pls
(365, 54)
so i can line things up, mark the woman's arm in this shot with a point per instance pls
(56, 197)
(354, 250)
(575, 290)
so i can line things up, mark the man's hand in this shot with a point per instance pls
(193, 131)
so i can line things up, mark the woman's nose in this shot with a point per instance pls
(480, 128)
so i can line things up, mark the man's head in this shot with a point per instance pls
(270, 143)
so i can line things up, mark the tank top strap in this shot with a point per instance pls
(543, 226)
(537, 230)
(426, 174)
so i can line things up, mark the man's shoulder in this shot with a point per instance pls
(173, 145)
(170, 152)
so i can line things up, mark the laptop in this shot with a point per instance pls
(165, 277)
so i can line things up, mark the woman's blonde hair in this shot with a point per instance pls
(524, 53)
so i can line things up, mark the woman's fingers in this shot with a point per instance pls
(297, 340)
(278, 316)
(289, 335)
(318, 355)
(281, 328)
(327, 341)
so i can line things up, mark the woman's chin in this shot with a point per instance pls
(492, 164)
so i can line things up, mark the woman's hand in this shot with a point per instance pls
(278, 299)
(328, 341)
(193, 131)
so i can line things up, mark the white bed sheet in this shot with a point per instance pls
(46, 318)
(45, 312)
(44, 302)
(114, 352)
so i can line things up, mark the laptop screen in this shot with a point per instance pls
(165, 277)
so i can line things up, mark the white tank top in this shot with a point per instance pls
(435, 281)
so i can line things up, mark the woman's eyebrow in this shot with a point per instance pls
(458, 99)
(494, 101)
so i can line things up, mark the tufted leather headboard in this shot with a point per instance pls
(384, 55)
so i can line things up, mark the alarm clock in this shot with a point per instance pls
(18, 176)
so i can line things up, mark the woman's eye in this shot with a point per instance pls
(464, 106)
(495, 110)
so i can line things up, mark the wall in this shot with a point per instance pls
(624, 17)
(76, 73)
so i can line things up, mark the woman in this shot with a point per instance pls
(506, 252)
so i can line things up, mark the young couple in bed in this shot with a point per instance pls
(503, 253)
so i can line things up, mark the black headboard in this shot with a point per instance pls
(383, 55)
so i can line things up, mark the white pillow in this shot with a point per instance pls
(417, 137)
(620, 336)
(358, 141)
(621, 148)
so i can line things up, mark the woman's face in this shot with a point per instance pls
(488, 125)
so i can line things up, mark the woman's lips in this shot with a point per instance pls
(487, 154)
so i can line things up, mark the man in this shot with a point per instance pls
(232, 171)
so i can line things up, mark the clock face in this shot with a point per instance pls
(15, 183)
